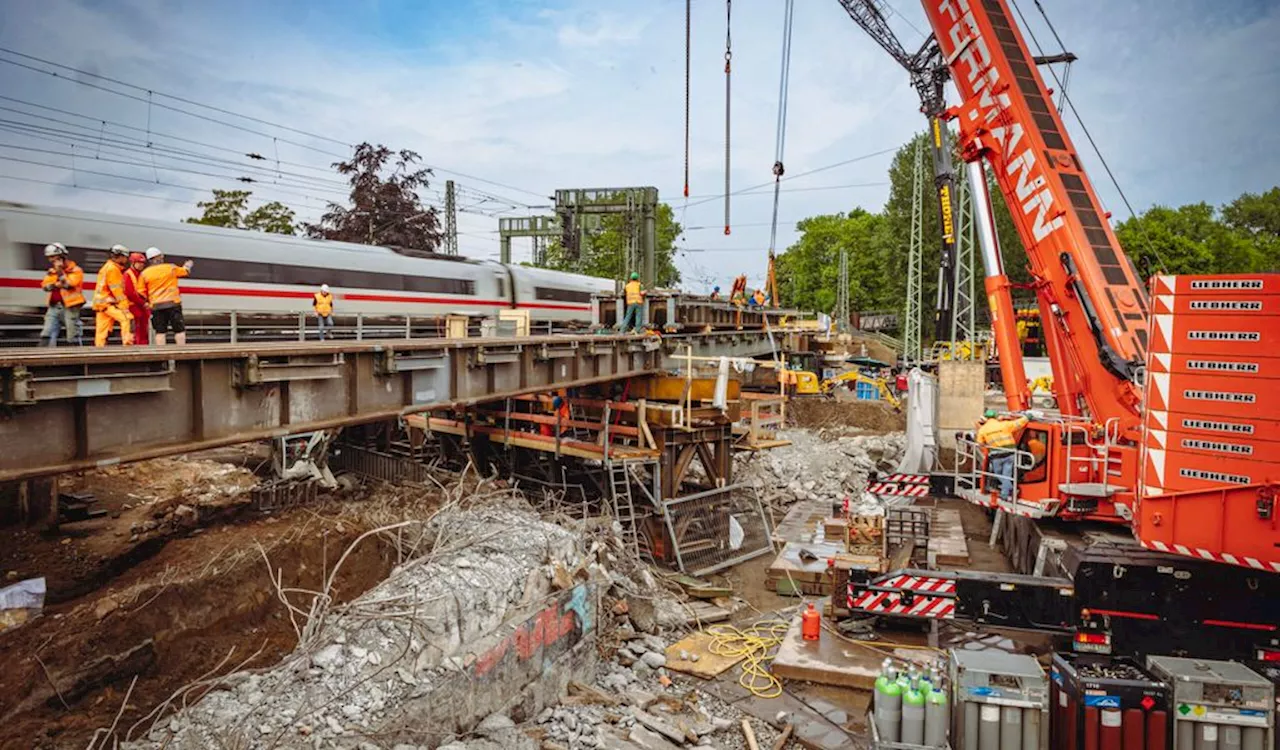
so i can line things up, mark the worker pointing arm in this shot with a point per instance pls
(160, 281)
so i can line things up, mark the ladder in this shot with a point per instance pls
(624, 508)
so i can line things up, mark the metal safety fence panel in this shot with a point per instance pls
(373, 464)
(718, 528)
(284, 494)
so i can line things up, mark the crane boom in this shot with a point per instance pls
(1096, 329)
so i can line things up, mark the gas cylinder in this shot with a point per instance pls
(913, 712)
(811, 623)
(888, 704)
(937, 716)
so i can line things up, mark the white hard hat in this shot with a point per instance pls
(324, 288)
(119, 250)
(153, 252)
(53, 249)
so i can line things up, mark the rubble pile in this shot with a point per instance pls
(816, 468)
(390, 662)
(633, 703)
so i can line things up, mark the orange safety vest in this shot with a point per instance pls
(160, 283)
(1000, 433)
(635, 293)
(323, 304)
(73, 295)
(109, 291)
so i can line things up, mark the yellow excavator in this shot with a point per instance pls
(854, 376)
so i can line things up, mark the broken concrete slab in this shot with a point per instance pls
(828, 660)
(478, 628)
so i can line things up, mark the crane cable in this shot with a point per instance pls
(688, 56)
(728, 59)
(780, 140)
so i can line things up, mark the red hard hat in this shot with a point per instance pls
(137, 258)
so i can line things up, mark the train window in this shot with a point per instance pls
(433, 285)
(302, 275)
(553, 294)
(85, 257)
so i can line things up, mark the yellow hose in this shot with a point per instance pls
(754, 645)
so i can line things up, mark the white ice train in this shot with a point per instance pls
(254, 272)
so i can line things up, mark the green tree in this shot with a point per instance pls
(385, 208)
(604, 252)
(809, 271)
(1258, 218)
(273, 217)
(229, 208)
(1186, 240)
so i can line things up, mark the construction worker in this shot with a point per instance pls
(137, 299)
(160, 284)
(559, 409)
(322, 303)
(738, 295)
(757, 298)
(715, 294)
(999, 435)
(64, 283)
(634, 292)
(109, 300)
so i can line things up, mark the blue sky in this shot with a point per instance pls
(1179, 94)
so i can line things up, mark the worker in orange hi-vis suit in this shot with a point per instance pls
(137, 300)
(109, 300)
(160, 284)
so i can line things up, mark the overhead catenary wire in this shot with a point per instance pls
(816, 170)
(82, 74)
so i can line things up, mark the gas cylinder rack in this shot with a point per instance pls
(1001, 701)
(1217, 705)
(1107, 703)
(1271, 671)
(910, 710)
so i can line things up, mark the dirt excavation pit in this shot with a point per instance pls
(833, 418)
(172, 604)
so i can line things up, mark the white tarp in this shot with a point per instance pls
(922, 435)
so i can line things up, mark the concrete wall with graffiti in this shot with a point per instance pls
(521, 668)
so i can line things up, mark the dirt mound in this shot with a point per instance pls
(826, 414)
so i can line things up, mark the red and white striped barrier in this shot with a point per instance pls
(915, 596)
(899, 490)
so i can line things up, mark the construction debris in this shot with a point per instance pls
(824, 471)
(424, 656)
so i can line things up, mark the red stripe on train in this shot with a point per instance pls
(354, 297)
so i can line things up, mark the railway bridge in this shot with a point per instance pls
(66, 409)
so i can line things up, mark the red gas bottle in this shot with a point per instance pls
(810, 623)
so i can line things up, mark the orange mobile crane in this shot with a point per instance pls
(1166, 419)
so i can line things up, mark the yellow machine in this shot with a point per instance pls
(800, 382)
(853, 376)
(948, 350)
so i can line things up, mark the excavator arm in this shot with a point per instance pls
(1093, 305)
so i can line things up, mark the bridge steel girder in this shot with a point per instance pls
(65, 410)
